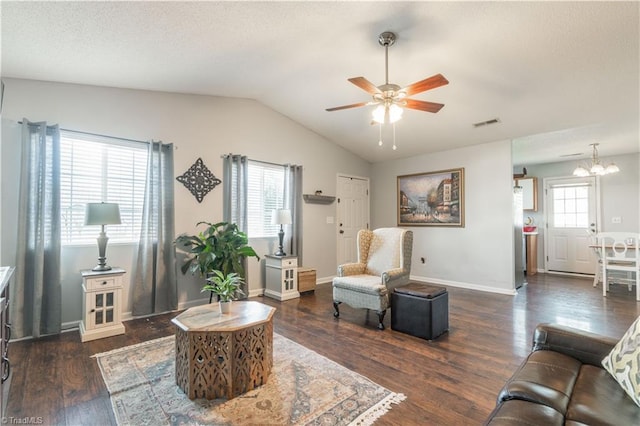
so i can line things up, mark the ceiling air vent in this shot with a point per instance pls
(572, 155)
(486, 123)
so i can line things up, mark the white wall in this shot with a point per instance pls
(619, 195)
(199, 126)
(478, 256)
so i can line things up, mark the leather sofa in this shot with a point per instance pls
(562, 382)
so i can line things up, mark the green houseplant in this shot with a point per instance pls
(219, 247)
(225, 287)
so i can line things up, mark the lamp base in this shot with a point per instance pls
(101, 268)
(102, 249)
(280, 251)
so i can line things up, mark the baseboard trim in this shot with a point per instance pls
(325, 280)
(459, 284)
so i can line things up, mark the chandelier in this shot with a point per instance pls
(596, 167)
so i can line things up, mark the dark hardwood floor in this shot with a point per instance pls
(453, 380)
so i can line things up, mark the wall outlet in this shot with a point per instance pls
(329, 219)
(616, 219)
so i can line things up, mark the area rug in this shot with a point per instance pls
(304, 388)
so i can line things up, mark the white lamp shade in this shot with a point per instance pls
(281, 217)
(581, 172)
(102, 214)
(395, 113)
(597, 169)
(612, 168)
(378, 114)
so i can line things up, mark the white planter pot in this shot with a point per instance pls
(225, 307)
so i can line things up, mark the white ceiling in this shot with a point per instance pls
(558, 75)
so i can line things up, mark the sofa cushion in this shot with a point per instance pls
(546, 378)
(524, 413)
(623, 362)
(597, 399)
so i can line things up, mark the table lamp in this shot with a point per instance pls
(102, 214)
(281, 217)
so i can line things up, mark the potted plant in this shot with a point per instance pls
(225, 287)
(219, 247)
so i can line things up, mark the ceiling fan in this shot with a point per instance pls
(391, 98)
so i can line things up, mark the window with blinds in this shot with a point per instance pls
(265, 193)
(95, 169)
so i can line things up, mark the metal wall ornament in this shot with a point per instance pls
(199, 180)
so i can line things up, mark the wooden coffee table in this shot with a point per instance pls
(223, 355)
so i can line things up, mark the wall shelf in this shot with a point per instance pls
(318, 199)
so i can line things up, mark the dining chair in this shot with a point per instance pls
(593, 243)
(620, 253)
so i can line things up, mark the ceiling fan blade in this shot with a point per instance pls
(426, 84)
(359, 104)
(365, 85)
(422, 105)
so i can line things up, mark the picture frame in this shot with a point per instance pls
(431, 199)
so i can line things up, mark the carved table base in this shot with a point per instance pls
(230, 358)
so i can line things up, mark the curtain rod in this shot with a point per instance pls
(256, 161)
(105, 136)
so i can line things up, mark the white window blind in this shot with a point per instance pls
(94, 169)
(265, 193)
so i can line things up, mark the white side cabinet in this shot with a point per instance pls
(101, 304)
(282, 277)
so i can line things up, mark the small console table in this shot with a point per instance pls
(101, 304)
(281, 277)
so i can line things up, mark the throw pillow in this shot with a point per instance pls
(623, 362)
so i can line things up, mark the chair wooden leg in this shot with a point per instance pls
(336, 314)
(380, 319)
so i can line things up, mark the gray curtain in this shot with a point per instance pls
(155, 281)
(235, 175)
(293, 202)
(36, 305)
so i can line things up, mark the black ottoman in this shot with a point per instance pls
(420, 310)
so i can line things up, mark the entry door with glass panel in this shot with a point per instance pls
(571, 206)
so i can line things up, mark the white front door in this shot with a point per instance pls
(353, 215)
(571, 206)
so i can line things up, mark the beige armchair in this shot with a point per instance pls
(384, 262)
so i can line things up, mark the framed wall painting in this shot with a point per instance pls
(431, 199)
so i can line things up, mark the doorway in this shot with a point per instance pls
(571, 213)
(352, 215)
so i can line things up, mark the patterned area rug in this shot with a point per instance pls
(304, 388)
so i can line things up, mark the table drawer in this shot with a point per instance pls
(289, 263)
(102, 283)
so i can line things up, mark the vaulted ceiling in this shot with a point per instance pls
(557, 75)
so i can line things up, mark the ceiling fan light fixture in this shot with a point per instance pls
(378, 114)
(395, 113)
(387, 113)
